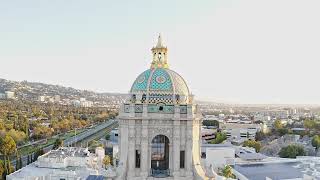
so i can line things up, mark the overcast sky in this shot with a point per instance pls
(247, 51)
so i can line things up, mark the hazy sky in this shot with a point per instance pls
(248, 51)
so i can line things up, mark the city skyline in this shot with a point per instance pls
(229, 51)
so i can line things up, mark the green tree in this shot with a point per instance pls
(283, 131)
(39, 152)
(58, 143)
(309, 124)
(2, 125)
(24, 125)
(107, 137)
(220, 137)
(277, 124)
(292, 151)
(210, 123)
(106, 161)
(18, 136)
(316, 141)
(260, 136)
(2, 169)
(7, 148)
(252, 143)
(17, 162)
(20, 162)
(28, 160)
(227, 172)
(42, 131)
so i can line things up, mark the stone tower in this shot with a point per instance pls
(159, 126)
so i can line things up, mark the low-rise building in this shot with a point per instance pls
(57, 98)
(9, 94)
(208, 134)
(65, 163)
(86, 103)
(2, 96)
(218, 155)
(240, 132)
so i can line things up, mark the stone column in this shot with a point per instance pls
(176, 112)
(144, 148)
(170, 157)
(188, 155)
(131, 151)
(176, 148)
(132, 110)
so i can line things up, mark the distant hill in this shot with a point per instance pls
(32, 90)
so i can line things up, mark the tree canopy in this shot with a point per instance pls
(277, 124)
(292, 151)
(2, 169)
(316, 141)
(252, 143)
(7, 145)
(220, 137)
(58, 143)
(106, 161)
(227, 172)
(210, 123)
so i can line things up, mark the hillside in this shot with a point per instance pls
(31, 91)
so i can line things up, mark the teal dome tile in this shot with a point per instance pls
(160, 80)
(141, 83)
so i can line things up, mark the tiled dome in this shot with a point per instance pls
(159, 84)
(160, 80)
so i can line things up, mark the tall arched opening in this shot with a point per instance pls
(160, 156)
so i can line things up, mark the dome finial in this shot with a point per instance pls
(159, 55)
(159, 43)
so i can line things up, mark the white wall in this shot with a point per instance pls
(220, 156)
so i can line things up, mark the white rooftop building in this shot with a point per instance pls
(65, 163)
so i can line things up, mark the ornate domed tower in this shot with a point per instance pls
(159, 126)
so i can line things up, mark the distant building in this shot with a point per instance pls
(2, 96)
(57, 98)
(240, 132)
(86, 103)
(50, 99)
(82, 103)
(278, 114)
(41, 98)
(75, 103)
(9, 94)
(210, 118)
(208, 134)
